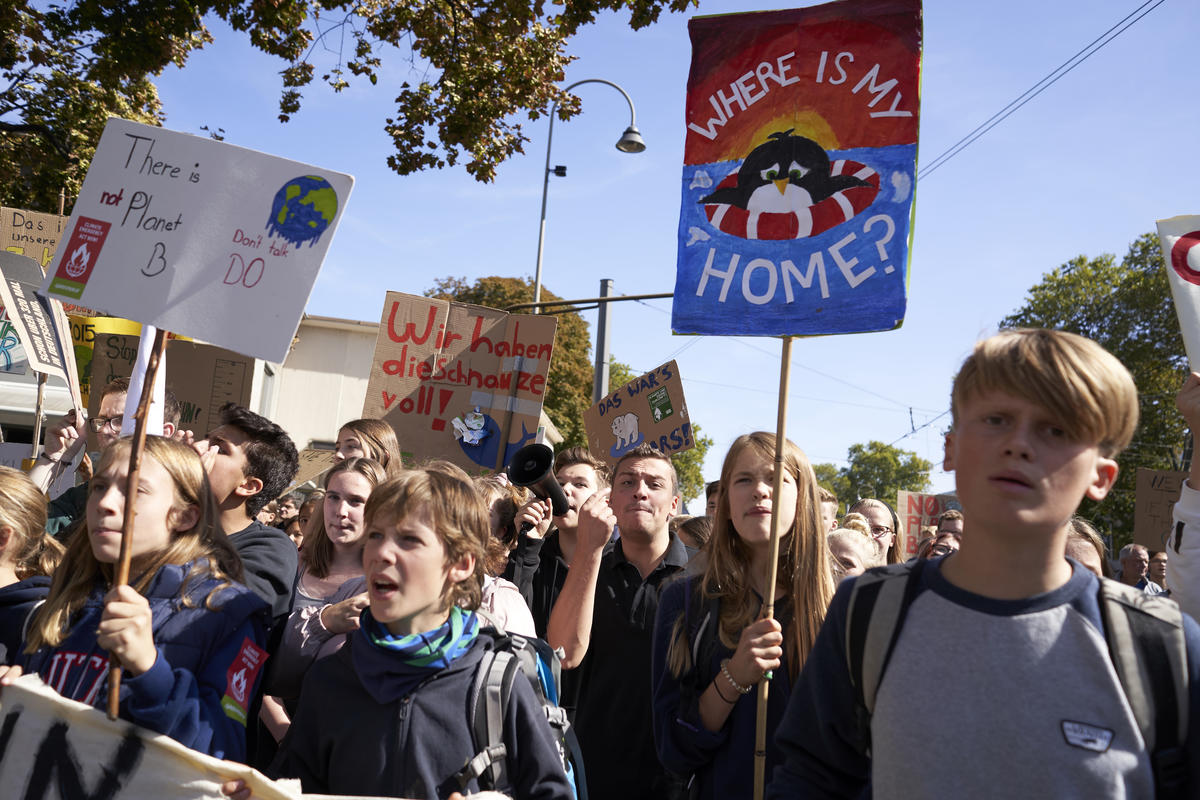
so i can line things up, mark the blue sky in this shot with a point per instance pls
(1084, 168)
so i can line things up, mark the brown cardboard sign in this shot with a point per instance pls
(457, 380)
(205, 377)
(31, 233)
(1157, 492)
(650, 408)
(313, 464)
(918, 510)
(202, 376)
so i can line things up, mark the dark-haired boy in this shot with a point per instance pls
(581, 475)
(250, 461)
(1032, 704)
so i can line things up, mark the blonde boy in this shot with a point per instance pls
(1031, 705)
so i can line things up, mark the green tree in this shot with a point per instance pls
(1125, 306)
(832, 479)
(689, 465)
(474, 68)
(57, 95)
(875, 470)
(569, 384)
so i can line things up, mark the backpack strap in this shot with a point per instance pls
(1146, 643)
(491, 689)
(879, 602)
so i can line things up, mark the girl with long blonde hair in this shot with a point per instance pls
(28, 556)
(711, 646)
(188, 638)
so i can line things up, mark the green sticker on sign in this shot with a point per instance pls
(660, 404)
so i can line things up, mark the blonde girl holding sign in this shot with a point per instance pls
(711, 648)
(188, 638)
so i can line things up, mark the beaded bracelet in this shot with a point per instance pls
(737, 686)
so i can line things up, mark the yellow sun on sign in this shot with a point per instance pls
(802, 122)
(806, 123)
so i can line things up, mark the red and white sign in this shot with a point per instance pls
(1180, 241)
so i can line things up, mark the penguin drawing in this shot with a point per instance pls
(785, 174)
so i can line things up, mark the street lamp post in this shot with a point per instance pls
(630, 142)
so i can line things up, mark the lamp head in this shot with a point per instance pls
(631, 141)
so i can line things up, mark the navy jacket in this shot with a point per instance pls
(353, 735)
(16, 601)
(269, 560)
(208, 665)
(722, 762)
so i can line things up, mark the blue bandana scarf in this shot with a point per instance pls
(433, 650)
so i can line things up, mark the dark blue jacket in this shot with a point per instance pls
(209, 662)
(353, 735)
(722, 762)
(16, 601)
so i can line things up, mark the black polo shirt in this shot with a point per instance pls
(613, 716)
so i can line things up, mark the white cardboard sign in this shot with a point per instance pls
(52, 747)
(198, 237)
(1180, 241)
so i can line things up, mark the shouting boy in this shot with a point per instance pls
(1033, 704)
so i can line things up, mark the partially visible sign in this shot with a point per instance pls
(202, 377)
(198, 237)
(649, 409)
(13, 360)
(84, 332)
(1179, 238)
(457, 381)
(1157, 491)
(313, 464)
(918, 510)
(14, 454)
(30, 233)
(53, 747)
(799, 170)
(39, 323)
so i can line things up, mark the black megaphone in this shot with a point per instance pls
(533, 468)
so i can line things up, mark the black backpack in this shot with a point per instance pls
(1145, 641)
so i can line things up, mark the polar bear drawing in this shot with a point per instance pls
(625, 427)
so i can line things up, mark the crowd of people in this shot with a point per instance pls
(347, 635)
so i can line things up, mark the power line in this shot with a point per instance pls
(744, 343)
(1041, 86)
(920, 428)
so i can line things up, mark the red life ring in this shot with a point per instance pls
(839, 207)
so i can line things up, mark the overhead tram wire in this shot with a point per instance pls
(741, 340)
(1048, 81)
(919, 428)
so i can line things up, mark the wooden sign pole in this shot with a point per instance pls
(760, 733)
(38, 410)
(131, 483)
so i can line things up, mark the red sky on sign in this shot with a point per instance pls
(724, 48)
